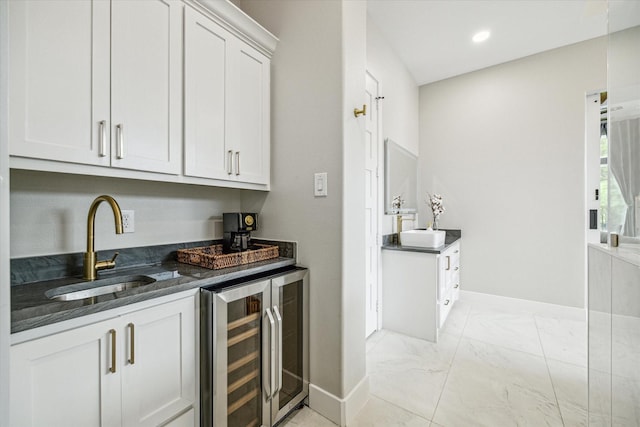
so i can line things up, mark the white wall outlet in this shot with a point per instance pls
(128, 221)
(320, 184)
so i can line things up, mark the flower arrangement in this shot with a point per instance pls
(435, 201)
(397, 202)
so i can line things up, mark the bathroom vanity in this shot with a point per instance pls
(420, 286)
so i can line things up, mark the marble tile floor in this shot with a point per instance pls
(499, 362)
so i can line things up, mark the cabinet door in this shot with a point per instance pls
(248, 113)
(290, 305)
(59, 80)
(146, 95)
(158, 376)
(205, 47)
(64, 380)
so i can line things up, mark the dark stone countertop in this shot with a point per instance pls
(390, 243)
(30, 308)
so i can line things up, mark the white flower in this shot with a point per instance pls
(435, 202)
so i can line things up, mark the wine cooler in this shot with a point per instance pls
(254, 350)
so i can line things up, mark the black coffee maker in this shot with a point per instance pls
(237, 227)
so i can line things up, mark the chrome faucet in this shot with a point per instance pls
(91, 263)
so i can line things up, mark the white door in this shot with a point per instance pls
(146, 85)
(371, 203)
(158, 367)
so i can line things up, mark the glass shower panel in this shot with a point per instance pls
(599, 356)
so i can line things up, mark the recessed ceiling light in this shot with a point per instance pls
(481, 36)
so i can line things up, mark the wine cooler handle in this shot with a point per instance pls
(269, 373)
(278, 317)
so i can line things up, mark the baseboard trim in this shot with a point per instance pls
(339, 411)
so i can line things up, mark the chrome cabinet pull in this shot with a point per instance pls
(448, 262)
(102, 138)
(119, 141)
(278, 385)
(112, 368)
(229, 162)
(268, 369)
(237, 163)
(132, 343)
(456, 269)
(447, 302)
(457, 286)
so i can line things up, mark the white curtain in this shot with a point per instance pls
(624, 161)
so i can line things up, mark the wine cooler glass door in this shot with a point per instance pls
(243, 358)
(290, 306)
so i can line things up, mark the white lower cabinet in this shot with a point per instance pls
(419, 290)
(137, 369)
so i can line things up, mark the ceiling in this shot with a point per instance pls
(433, 37)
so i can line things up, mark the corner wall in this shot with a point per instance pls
(505, 146)
(313, 130)
(398, 110)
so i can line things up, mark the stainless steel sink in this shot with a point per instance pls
(99, 287)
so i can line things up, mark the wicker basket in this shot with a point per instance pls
(212, 257)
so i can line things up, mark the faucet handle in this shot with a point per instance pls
(105, 265)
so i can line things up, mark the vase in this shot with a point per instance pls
(435, 223)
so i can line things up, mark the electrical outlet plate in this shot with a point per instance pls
(128, 221)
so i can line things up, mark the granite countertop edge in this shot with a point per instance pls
(191, 277)
(451, 237)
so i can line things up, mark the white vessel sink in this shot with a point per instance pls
(422, 238)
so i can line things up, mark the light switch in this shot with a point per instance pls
(320, 184)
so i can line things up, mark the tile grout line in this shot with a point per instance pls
(546, 363)
(455, 353)
(401, 408)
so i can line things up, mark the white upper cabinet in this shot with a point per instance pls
(206, 44)
(248, 114)
(146, 49)
(97, 83)
(59, 80)
(227, 93)
(96, 88)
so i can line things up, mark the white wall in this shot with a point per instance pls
(505, 148)
(49, 212)
(313, 130)
(354, 56)
(399, 109)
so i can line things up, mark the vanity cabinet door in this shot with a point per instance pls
(158, 373)
(59, 80)
(65, 379)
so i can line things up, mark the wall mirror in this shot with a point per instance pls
(400, 178)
